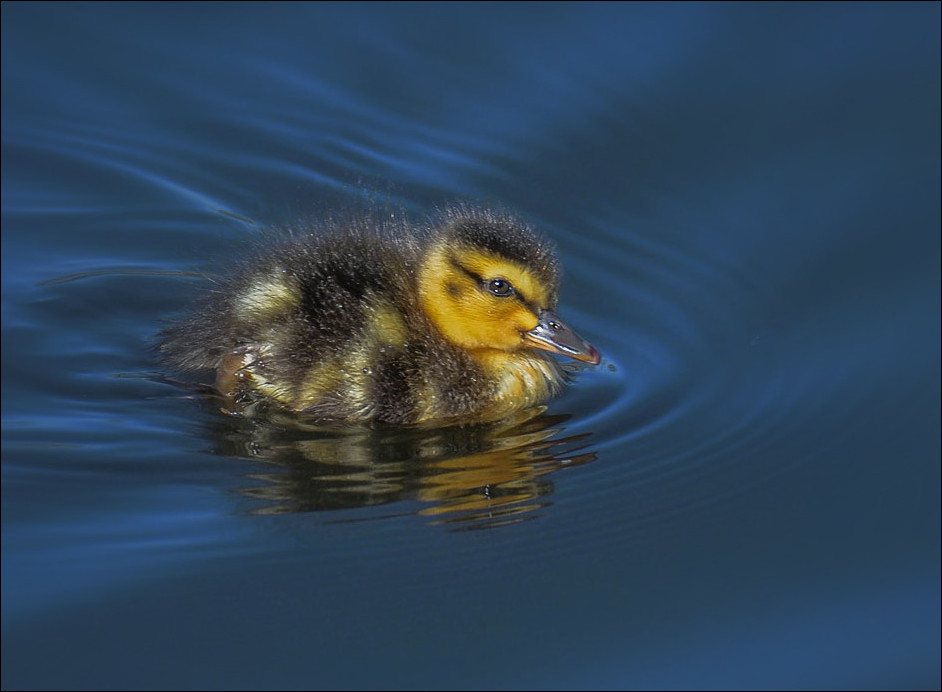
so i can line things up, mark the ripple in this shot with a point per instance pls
(707, 385)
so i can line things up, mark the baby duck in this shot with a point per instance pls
(395, 325)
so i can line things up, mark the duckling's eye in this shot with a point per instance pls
(500, 287)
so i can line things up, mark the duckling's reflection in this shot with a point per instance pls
(469, 476)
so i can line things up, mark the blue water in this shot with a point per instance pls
(746, 493)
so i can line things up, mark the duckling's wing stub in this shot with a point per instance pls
(309, 295)
(337, 285)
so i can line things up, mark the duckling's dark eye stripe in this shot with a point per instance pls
(467, 272)
(474, 276)
(484, 283)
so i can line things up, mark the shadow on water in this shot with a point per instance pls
(465, 476)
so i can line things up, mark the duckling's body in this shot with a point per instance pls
(394, 325)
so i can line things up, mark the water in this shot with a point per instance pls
(745, 493)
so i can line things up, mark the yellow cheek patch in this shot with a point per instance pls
(469, 320)
(464, 311)
(514, 315)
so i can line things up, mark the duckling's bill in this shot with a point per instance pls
(553, 335)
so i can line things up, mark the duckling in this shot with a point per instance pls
(395, 325)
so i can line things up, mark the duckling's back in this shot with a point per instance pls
(308, 322)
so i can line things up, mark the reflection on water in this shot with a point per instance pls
(465, 475)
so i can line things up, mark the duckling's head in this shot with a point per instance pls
(490, 284)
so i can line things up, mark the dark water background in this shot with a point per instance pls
(745, 493)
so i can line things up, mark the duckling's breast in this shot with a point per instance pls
(522, 378)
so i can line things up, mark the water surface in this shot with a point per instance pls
(744, 494)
